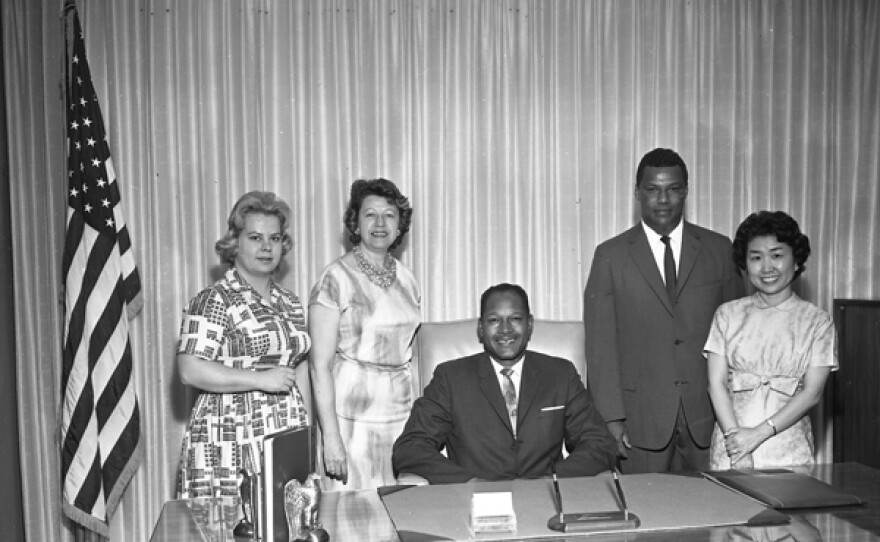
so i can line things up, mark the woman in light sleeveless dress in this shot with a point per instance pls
(363, 314)
(769, 354)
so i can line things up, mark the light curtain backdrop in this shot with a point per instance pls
(513, 126)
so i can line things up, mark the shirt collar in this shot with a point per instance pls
(516, 367)
(238, 283)
(786, 305)
(675, 234)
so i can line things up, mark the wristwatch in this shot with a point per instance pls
(772, 425)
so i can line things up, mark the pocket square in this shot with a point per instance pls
(549, 408)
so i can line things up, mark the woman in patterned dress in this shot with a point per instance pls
(242, 342)
(769, 354)
(363, 314)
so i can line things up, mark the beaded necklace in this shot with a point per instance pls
(383, 278)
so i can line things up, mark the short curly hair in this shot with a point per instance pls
(266, 203)
(504, 287)
(661, 157)
(776, 223)
(362, 188)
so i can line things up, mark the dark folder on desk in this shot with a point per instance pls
(286, 455)
(783, 489)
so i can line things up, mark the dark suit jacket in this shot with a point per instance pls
(463, 409)
(644, 352)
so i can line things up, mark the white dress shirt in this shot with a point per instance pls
(659, 249)
(515, 376)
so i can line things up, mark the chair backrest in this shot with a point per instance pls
(437, 342)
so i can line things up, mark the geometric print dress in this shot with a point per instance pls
(232, 324)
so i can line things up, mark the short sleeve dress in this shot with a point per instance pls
(372, 374)
(231, 324)
(768, 351)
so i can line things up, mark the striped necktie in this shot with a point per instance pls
(510, 396)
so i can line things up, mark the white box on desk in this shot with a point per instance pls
(492, 512)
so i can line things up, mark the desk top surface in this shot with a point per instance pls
(360, 515)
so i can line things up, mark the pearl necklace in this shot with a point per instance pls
(383, 278)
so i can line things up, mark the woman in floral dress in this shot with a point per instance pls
(242, 343)
(769, 354)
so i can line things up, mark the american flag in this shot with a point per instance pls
(100, 421)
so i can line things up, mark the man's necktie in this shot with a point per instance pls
(510, 396)
(669, 267)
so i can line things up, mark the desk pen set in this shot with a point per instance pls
(585, 522)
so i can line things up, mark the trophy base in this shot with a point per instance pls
(244, 529)
(315, 535)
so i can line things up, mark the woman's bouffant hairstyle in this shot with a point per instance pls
(362, 188)
(778, 224)
(265, 203)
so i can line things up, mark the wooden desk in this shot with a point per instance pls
(360, 516)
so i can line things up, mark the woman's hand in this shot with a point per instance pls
(215, 377)
(335, 463)
(277, 379)
(324, 328)
(743, 441)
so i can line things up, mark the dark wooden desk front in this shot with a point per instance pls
(360, 516)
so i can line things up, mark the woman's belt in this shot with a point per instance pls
(743, 381)
(374, 366)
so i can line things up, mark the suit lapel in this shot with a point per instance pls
(529, 385)
(640, 252)
(492, 390)
(690, 251)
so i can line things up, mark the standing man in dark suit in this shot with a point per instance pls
(504, 413)
(648, 304)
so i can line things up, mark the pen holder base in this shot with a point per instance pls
(588, 522)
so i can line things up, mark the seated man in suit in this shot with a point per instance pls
(504, 413)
